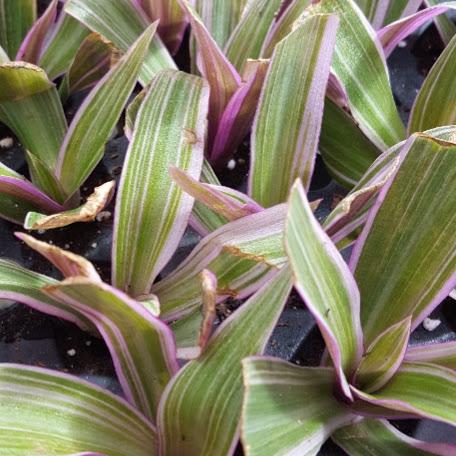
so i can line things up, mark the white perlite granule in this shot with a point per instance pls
(6, 143)
(103, 215)
(71, 352)
(429, 324)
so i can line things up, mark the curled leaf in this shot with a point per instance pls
(95, 203)
(68, 263)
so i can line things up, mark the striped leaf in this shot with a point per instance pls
(378, 438)
(351, 213)
(24, 286)
(62, 46)
(229, 203)
(201, 408)
(83, 146)
(326, 285)
(87, 212)
(401, 8)
(151, 210)
(32, 45)
(374, 10)
(172, 20)
(248, 37)
(220, 17)
(223, 79)
(345, 222)
(435, 103)
(16, 18)
(284, 25)
(411, 224)
(392, 34)
(203, 219)
(443, 354)
(426, 390)
(345, 160)
(383, 357)
(360, 66)
(31, 107)
(141, 346)
(239, 113)
(48, 412)
(122, 23)
(288, 120)
(288, 410)
(94, 58)
(242, 254)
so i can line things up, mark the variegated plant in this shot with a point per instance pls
(303, 76)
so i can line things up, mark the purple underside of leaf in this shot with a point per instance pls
(32, 45)
(27, 191)
(393, 33)
(221, 75)
(238, 115)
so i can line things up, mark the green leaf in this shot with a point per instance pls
(383, 357)
(288, 409)
(151, 210)
(30, 106)
(83, 146)
(32, 45)
(374, 10)
(426, 390)
(94, 59)
(242, 254)
(325, 283)
(295, 83)
(200, 412)
(361, 68)
(250, 33)
(379, 438)
(203, 219)
(283, 26)
(401, 8)
(346, 160)
(16, 18)
(122, 24)
(63, 45)
(434, 104)
(47, 412)
(411, 224)
(220, 17)
(142, 347)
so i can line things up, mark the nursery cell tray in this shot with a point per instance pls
(29, 337)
